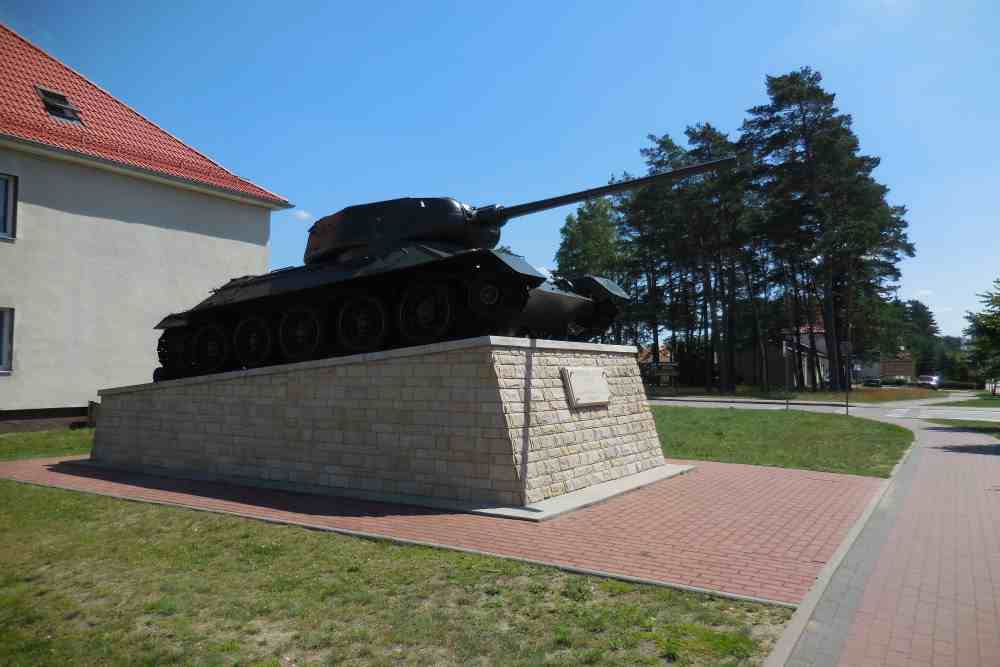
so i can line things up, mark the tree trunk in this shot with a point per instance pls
(730, 324)
(706, 304)
(830, 324)
(654, 312)
(760, 349)
(796, 322)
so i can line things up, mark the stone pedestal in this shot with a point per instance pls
(489, 420)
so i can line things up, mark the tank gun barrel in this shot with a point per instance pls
(505, 213)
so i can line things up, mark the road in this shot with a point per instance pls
(929, 408)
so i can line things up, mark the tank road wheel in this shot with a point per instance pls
(493, 299)
(252, 341)
(174, 352)
(426, 313)
(210, 348)
(300, 333)
(362, 324)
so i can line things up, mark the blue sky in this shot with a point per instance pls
(331, 104)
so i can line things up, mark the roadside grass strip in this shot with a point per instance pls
(40, 444)
(982, 400)
(787, 439)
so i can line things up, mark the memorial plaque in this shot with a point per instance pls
(586, 386)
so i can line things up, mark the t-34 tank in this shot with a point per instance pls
(389, 274)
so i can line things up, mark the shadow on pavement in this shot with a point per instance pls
(270, 499)
(992, 450)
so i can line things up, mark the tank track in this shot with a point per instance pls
(336, 320)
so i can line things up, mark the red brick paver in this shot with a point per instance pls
(933, 597)
(739, 529)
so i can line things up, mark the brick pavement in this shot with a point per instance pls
(737, 529)
(921, 585)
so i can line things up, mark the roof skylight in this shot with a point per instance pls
(58, 105)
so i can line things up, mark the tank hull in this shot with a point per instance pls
(415, 294)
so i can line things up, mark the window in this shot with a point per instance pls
(8, 205)
(58, 105)
(6, 340)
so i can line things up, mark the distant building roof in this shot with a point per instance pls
(817, 329)
(45, 103)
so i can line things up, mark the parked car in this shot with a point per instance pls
(873, 382)
(929, 381)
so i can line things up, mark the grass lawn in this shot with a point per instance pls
(91, 580)
(37, 444)
(792, 439)
(982, 400)
(858, 394)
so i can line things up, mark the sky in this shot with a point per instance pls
(332, 104)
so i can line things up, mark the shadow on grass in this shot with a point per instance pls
(255, 498)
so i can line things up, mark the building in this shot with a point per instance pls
(901, 366)
(776, 361)
(107, 223)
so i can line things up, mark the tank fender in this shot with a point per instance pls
(172, 321)
(518, 264)
(598, 288)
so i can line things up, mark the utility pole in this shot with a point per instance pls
(788, 388)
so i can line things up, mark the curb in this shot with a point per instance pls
(796, 627)
(754, 401)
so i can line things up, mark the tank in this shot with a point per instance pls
(389, 274)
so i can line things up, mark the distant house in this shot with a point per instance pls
(107, 223)
(659, 373)
(645, 355)
(777, 363)
(899, 365)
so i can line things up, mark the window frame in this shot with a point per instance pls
(8, 230)
(6, 340)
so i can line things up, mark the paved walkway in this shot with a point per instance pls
(741, 530)
(921, 584)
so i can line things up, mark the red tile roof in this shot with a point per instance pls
(110, 131)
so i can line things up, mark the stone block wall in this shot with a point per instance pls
(559, 449)
(483, 420)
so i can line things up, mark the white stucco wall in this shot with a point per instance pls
(98, 260)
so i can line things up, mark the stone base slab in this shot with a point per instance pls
(540, 511)
(483, 422)
(598, 493)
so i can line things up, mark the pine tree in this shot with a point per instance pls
(837, 231)
(984, 332)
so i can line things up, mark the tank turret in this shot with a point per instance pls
(394, 273)
(369, 228)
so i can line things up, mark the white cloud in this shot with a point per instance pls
(302, 214)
